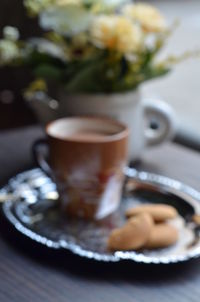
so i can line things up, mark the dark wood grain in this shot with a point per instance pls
(30, 273)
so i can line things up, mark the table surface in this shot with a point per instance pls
(31, 273)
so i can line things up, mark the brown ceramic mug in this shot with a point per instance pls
(87, 157)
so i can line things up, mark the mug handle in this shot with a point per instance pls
(160, 121)
(39, 156)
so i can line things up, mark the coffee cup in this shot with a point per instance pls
(87, 157)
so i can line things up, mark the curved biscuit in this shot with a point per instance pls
(133, 235)
(162, 235)
(196, 219)
(159, 212)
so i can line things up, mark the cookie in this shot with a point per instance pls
(196, 219)
(162, 235)
(159, 212)
(133, 235)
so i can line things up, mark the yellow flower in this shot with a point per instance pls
(67, 2)
(116, 33)
(147, 15)
(80, 40)
(38, 85)
(36, 6)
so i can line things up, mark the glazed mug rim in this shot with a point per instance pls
(119, 135)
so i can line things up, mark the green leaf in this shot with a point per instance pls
(48, 72)
(85, 80)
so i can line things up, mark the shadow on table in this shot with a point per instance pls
(64, 261)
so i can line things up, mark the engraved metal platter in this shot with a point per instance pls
(31, 206)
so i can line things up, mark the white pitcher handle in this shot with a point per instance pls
(160, 121)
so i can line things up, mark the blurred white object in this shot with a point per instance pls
(181, 87)
(151, 121)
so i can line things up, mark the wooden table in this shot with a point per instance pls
(29, 273)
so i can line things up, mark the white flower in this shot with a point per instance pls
(108, 3)
(8, 51)
(11, 33)
(116, 33)
(67, 20)
(114, 3)
(47, 47)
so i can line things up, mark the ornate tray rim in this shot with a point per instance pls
(170, 184)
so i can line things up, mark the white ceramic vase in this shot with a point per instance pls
(151, 122)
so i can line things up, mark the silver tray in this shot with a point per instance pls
(32, 207)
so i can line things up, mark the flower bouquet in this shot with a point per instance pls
(90, 46)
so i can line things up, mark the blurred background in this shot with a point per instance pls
(180, 88)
